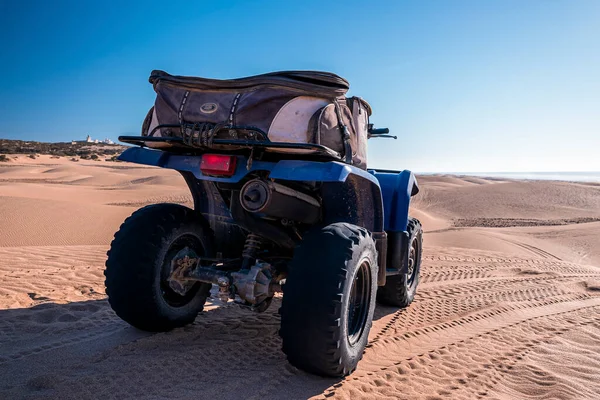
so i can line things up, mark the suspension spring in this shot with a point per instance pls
(252, 245)
(251, 248)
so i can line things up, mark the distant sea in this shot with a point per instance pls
(546, 176)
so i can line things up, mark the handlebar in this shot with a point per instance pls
(379, 131)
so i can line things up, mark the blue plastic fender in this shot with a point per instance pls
(291, 170)
(397, 189)
(332, 171)
(185, 163)
(349, 194)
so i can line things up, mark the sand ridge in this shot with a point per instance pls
(498, 311)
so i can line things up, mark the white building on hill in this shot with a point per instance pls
(89, 139)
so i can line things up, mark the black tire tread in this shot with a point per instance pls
(396, 292)
(312, 301)
(133, 253)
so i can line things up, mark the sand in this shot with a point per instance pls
(507, 307)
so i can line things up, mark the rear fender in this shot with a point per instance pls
(397, 189)
(190, 163)
(348, 194)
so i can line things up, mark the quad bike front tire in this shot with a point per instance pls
(400, 290)
(329, 299)
(139, 263)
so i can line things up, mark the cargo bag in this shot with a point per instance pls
(283, 107)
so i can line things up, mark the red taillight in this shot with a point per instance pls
(217, 164)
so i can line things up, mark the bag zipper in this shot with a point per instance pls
(250, 84)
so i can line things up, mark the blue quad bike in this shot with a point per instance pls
(332, 237)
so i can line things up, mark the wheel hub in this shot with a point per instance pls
(411, 260)
(182, 262)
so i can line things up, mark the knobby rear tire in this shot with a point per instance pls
(138, 262)
(321, 333)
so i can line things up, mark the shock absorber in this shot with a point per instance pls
(251, 248)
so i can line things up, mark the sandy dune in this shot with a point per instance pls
(507, 307)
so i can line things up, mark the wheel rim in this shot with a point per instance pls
(359, 302)
(173, 298)
(412, 261)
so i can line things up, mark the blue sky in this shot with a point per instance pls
(466, 85)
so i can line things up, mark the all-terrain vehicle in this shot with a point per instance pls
(283, 202)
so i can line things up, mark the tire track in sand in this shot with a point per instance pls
(476, 314)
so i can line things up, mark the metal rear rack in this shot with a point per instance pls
(142, 140)
(255, 138)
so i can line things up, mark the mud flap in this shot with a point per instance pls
(398, 252)
(381, 244)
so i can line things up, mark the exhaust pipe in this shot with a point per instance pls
(276, 200)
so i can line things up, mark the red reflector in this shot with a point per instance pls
(217, 164)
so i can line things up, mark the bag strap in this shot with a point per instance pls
(345, 133)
